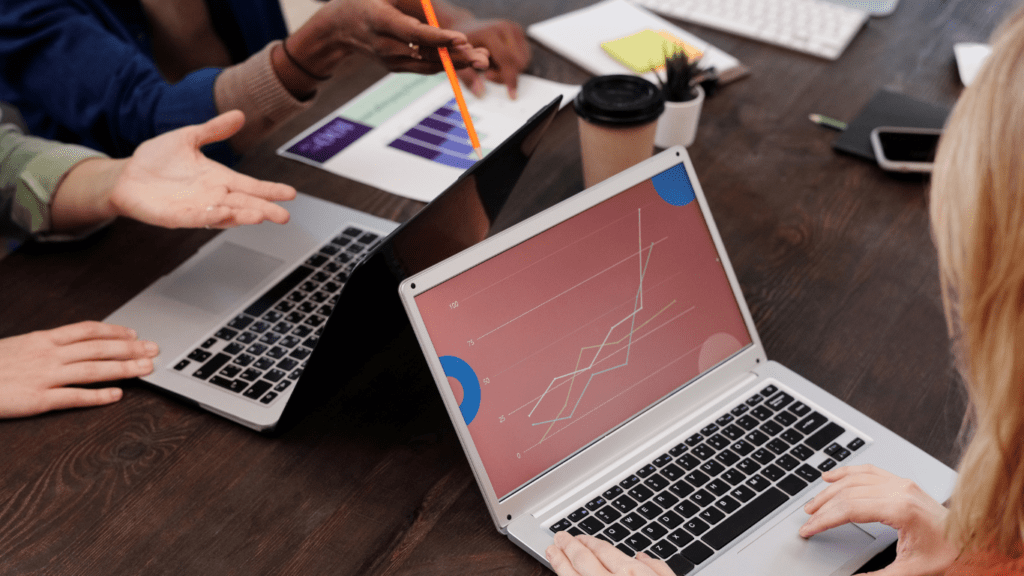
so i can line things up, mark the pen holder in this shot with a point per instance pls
(617, 118)
(678, 124)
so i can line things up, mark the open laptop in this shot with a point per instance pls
(604, 376)
(256, 326)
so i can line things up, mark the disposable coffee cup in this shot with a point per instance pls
(618, 119)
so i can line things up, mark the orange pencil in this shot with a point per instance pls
(449, 69)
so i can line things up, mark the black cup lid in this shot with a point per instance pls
(619, 99)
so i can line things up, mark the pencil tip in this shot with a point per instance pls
(479, 153)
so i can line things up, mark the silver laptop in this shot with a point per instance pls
(265, 322)
(604, 376)
(876, 8)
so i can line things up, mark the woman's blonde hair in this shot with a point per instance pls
(977, 211)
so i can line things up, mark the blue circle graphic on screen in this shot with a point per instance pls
(674, 186)
(458, 368)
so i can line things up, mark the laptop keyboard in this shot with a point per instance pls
(263, 350)
(714, 485)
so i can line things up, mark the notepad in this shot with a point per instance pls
(646, 50)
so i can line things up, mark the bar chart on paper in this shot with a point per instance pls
(440, 137)
(566, 336)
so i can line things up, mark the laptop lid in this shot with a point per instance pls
(575, 336)
(368, 319)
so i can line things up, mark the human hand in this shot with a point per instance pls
(169, 182)
(510, 53)
(589, 556)
(869, 494)
(391, 30)
(36, 368)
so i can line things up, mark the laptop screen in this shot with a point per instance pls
(556, 342)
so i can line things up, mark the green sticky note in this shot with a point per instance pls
(646, 50)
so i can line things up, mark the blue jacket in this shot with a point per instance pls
(82, 71)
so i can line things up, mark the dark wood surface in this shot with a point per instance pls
(833, 255)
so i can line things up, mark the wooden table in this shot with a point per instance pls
(834, 257)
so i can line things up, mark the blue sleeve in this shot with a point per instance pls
(77, 74)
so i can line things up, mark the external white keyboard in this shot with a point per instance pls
(814, 27)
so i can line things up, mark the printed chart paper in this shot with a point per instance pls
(404, 134)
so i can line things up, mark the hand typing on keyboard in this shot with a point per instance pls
(868, 494)
(588, 556)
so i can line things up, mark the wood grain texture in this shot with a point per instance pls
(833, 255)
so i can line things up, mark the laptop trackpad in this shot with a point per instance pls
(781, 550)
(219, 281)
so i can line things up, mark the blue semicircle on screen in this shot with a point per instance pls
(673, 185)
(457, 368)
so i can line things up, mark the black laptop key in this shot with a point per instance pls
(223, 382)
(663, 460)
(709, 429)
(656, 482)
(615, 532)
(663, 549)
(182, 365)
(770, 428)
(727, 457)
(734, 477)
(762, 412)
(748, 422)
(842, 454)
(717, 486)
(799, 408)
(226, 333)
(263, 363)
(270, 338)
(686, 509)
(316, 260)
(579, 515)
(697, 552)
(257, 389)
(801, 452)
(808, 473)
(680, 565)
(772, 472)
(792, 436)
(703, 451)
(711, 515)
(694, 440)
(822, 437)
(672, 472)
(688, 461)
(274, 375)
(574, 531)
(756, 438)
(300, 353)
(696, 478)
(702, 498)
(784, 418)
(210, 367)
(591, 525)
(633, 521)
(654, 531)
(681, 489)
(624, 503)
(608, 514)
(630, 481)
(283, 385)
(827, 465)
(625, 550)
(199, 355)
(678, 450)
(742, 448)
(810, 423)
(855, 444)
(670, 519)
(748, 466)
(787, 462)
(757, 482)
(696, 526)
(724, 419)
(769, 390)
(732, 432)
(609, 494)
(283, 327)
(646, 471)
(264, 302)
(832, 448)
(230, 371)
(637, 542)
(596, 503)
(718, 442)
(778, 446)
(742, 493)
(649, 510)
(243, 359)
(741, 521)
(640, 492)
(680, 537)
(739, 410)
(240, 322)
(792, 485)
(711, 468)
(780, 401)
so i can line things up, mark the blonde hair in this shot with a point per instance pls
(977, 211)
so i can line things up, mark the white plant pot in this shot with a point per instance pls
(678, 123)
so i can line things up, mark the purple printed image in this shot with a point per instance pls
(329, 139)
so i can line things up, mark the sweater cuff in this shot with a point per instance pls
(253, 87)
(38, 182)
